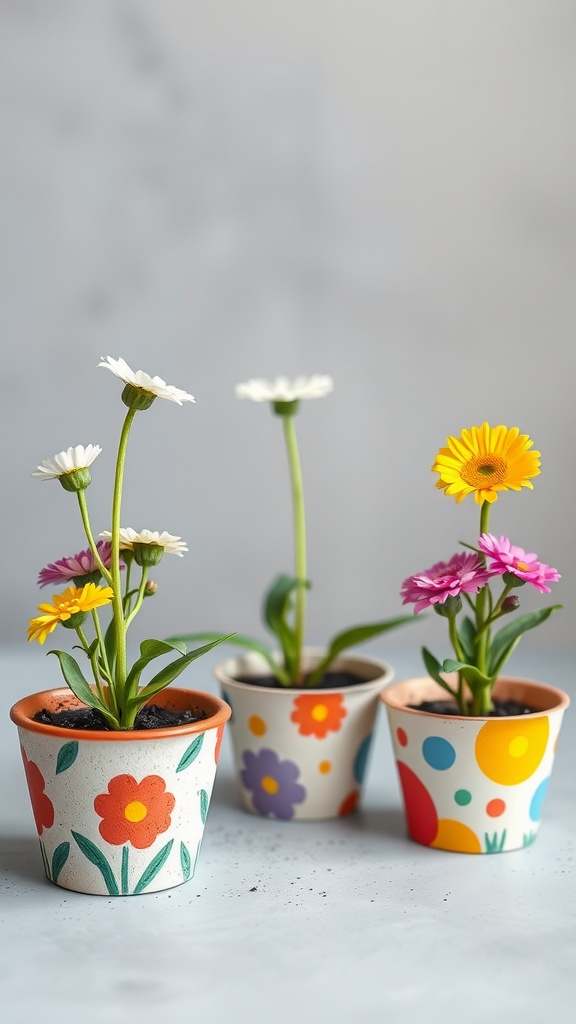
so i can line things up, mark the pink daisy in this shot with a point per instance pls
(464, 573)
(75, 568)
(506, 557)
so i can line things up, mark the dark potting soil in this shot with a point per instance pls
(329, 681)
(502, 708)
(151, 716)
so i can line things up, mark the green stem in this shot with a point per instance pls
(93, 661)
(482, 631)
(140, 597)
(299, 535)
(496, 612)
(88, 531)
(117, 602)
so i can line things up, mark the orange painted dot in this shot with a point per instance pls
(319, 712)
(402, 737)
(495, 808)
(324, 767)
(257, 725)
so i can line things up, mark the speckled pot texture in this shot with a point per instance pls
(120, 813)
(474, 785)
(300, 753)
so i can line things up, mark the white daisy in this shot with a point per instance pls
(129, 537)
(283, 390)
(67, 462)
(154, 386)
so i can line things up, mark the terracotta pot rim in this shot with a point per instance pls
(389, 698)
(384, 678)
(218, 710)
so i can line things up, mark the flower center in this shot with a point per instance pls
(319, 713)
(522, 566)
(270, 785)
(484, 471)
(135, 811)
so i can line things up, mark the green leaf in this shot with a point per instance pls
(150, 649)
(66, 756)
(350, 638)
(110, 644)
(204, 802)
(434, 668)
(275, 610)
(473, 676)
(191, 753)
(467, 637)
(77, 683)
(239, 640)
(505, 640)
(171, 672)
(185, 861)
(59, 858)
(96, 857)
(153, 868)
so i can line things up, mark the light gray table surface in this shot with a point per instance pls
(339, 921)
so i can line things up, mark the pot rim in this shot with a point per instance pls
(390, 696)
(218, 711)
(385, 676)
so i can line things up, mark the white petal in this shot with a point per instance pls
(283, 390)
(152, 385)
(66, 462)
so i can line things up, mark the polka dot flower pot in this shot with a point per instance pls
(301, 753)
(474, 785)
(120, 813)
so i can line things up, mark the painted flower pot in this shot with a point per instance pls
(474, 785)
(120, 813)
(301, 753)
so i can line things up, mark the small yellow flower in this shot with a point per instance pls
(73, 601)
(485, 460)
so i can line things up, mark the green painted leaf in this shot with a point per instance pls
(191, 753)
(185, 861)
(124, 871)
(434, 668)
(66, 756)
(96, 857)
(59, 858)
(204, 802)
(153, 868)
(505, 640)
(350, 638)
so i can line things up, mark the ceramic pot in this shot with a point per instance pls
(474, 785)
(301, 753)
(120, 813)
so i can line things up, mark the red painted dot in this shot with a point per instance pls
(402, 737)
(350, 803)
(421, 816)
(495, 808)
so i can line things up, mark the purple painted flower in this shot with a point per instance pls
(272, 783)
(76, 568)
(506, 557)
(464, 573)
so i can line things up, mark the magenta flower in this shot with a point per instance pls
(506, 557)
(464, 573)
(77, 568)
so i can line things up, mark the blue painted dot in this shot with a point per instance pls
(538, 799)
(361, 759)
(438, 753)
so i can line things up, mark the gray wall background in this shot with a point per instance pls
(382, 191)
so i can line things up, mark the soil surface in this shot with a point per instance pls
(151, 716)
(329, 681)
(502, 708)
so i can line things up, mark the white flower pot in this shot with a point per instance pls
(474, 785)
(302, 753)
(120, 813)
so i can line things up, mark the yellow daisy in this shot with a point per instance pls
(71, 602)
(485, 460)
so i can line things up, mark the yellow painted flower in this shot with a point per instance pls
(485, 460)
(74, 601)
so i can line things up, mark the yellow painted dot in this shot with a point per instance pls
(324, 767)
(518, 746)
(257, 725)
(270, 785)
(135, 811)
(319, 713)
(453, 835)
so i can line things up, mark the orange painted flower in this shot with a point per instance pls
(134, 812)
(42, 807)
(317, 714)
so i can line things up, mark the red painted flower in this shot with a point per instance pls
(134, 812)
(42, 807)
(317, 714)
(349, 803)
